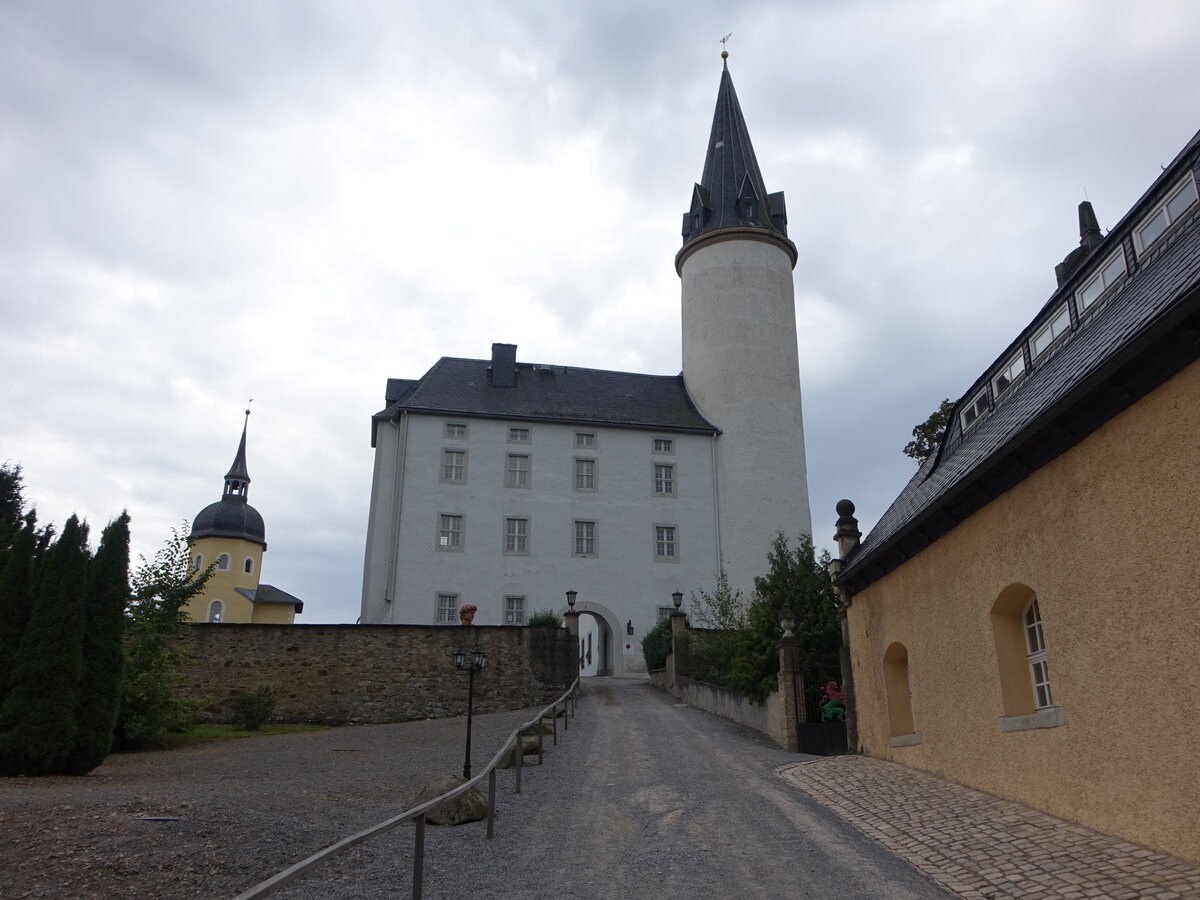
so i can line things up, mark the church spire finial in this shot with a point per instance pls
(237, 479)
(725, 51)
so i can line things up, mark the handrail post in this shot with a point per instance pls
(554, 723)
(566, 715)
(491, 826)
(419, 858)
(520, 761)
(539, 731)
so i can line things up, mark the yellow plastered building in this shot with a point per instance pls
(230, 536)
(1023, 619)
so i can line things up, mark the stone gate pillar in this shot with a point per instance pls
(791, 692)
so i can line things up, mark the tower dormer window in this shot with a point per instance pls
(248, 565)
(975, 409)
(1166, 214)
(1094, 288)
(1050, 332)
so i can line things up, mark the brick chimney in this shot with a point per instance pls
(504, 365)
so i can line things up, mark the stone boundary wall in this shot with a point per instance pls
(367, 674)
(770, 718)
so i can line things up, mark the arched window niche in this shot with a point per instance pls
(899, 697)
(1021, 658)
(215, 611)
(223, 562)
(248, 565)
(199, 563)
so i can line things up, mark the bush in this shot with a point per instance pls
(656, 645)
(544, 618)
(252, 710)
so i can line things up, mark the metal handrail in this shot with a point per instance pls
(417, 813)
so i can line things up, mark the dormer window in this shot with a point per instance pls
(1165, 214)
(1094, 288)
(1010, 373)
(975, 410)
(1050, 332)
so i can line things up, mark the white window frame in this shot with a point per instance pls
(199, 563)
(1014, 369)
(1035, 646)
(516, 475)
(664, 612)
(520, 434)
(585, 474)
(453, 471)
(514, 609)
(445, 610)
(517, 536)
(586, 439)
(216, 612)
(583, 537)
(450, 538)
(1056, 328)
(248, 566)
(975, 411)
(1163, 209)
(662, 446)
(664, 485)
(223, 562)
(1104, 278)
(455, 431)
(666, 543)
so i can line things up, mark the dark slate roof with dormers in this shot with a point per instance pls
(1140, 333)
(462, 387)
(731, 192)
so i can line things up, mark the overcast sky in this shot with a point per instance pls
(294, 200)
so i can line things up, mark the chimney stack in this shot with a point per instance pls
(504, 365)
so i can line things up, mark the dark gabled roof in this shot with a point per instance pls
(1143, 332)
(268, 593)
(462, 387)
(731, 192)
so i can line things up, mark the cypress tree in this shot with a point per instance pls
(103, 656)
(16, 598)
(37, 720)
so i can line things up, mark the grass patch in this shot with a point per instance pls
(203, 734)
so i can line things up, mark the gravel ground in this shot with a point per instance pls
(240, 810)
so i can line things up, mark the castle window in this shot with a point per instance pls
(585, 538)
(899, 697)
(1165, 214)
(456, 430)
(664, 543)
(518, 435)
(1021, 657)
(215, 611)
(516, 537)
(248, 565)
(514, 610)
(517, 470)
(450, 532)
(447, 609)
(1011, 372)
(664, 445)
(1113, 269)
(198, 564)
(223, 562)
(664, 480)
(454, 465)
(585, 439)
(1035, 644)
(664, 612)
(975, 410)
(585, 475)
(1050, 332)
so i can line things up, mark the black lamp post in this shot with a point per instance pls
(677, 599)
(477, 660)
(571, 595)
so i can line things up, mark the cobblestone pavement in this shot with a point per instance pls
(981, 846)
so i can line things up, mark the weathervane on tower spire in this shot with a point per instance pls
(724, 49)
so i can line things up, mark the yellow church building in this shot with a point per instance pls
(230, 536)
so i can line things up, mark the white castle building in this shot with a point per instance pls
(504, 484)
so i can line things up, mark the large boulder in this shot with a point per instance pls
(469, 806)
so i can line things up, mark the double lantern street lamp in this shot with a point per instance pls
(478, 657)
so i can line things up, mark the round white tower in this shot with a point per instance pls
(740, 360)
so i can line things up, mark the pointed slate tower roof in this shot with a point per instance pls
(232, 516)
(731, 193)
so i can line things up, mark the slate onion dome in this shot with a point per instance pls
(232, 516)
(731, 201)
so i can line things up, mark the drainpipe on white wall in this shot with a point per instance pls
(389, 588)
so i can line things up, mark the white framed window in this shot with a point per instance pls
(454, 466)
(216, 610)
(1050, 332)
(664, 480)
(450, 532)
(1166, 214)
(585, 538)
(1004, 379)
(516, 537)
(223, 562)
(198, 564)
(975, 410)
(1106, 277)
(446, 612)
(455, 430)
(1035, 645)
(664, 445)
(665, 547)
(248, 565)
(514, 610)
(585, 439)
(664, 612)
(518, 470)
(519, 435)
(585, 475)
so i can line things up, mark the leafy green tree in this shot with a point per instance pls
(103, 655)
(37, 720)
(656, 645)
(150, 701)
(707, 651)
(927, 436)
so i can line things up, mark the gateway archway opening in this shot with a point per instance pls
(595, 645)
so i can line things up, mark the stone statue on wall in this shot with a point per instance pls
(466, 614)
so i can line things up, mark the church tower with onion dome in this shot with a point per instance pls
(740, 357)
